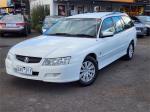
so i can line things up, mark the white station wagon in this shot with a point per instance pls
(74, 49)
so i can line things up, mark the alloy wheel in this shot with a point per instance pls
(131, 51)
(88, 71)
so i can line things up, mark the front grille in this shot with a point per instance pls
(139, 28)
(28, 59)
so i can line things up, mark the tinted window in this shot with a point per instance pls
(108, 26)
(12, 18)
(123, 23)
(118, 24)
(128, 22)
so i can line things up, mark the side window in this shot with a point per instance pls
(118, 24)
(128, 22)
(107, 26)
(123, 23)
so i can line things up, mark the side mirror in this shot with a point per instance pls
(107, 34)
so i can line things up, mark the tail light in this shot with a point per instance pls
(20, 24)
(2, 25)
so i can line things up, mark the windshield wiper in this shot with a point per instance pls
(84, 35)
(74, 35)
(61, 34)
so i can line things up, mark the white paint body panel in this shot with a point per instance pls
(107, 50)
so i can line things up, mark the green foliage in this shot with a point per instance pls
(38, 14)
(38, 28)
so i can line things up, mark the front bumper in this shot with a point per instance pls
(141, 31)
(57, 74)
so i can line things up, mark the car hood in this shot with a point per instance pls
(146, 23)
(52, 46)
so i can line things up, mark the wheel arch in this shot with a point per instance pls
(133, 42)
(93, 55)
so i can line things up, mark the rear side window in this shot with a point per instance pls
(108, 26)
(128, 22)
(118, 24)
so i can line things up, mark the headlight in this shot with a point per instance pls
(56, 61)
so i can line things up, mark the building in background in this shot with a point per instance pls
(3, 3)
(15, 6)
(72, 7)
(34, 3)
(145, 4)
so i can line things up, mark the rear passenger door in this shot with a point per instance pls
(129, 29)
(120, 35)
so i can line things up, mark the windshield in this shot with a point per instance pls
(48, 22)
(144, 18)
(74, 27)
(12, 18)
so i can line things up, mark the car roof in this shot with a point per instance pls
(97, 15)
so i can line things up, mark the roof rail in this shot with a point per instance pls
(113, 13)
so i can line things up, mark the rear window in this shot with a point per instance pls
(128, 22)
(12, 18)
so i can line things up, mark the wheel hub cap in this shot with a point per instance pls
(87, 71)
(131, 51)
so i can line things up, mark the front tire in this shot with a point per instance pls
(88, 72)
(130, 52)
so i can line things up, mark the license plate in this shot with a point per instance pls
(11, 25)
(24, 70)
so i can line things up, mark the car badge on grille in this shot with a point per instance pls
(26, 60)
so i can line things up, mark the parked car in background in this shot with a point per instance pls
(15, 24)
(74, 49)
(1, 17)
(140, 27)
(49, 21)
(145, 20)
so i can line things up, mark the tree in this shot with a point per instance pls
(38, 14)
